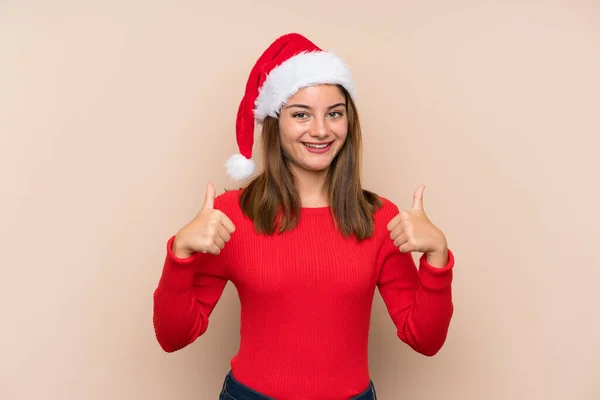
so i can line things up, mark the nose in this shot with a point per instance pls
(319, 128)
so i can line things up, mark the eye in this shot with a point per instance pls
(335, 114)
(300, 115)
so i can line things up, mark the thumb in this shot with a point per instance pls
(209, 198)
(418, 198)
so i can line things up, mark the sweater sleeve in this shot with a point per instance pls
(187, 292)
(419, 301)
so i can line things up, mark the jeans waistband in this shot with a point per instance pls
(234, 390)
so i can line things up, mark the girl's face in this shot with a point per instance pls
(313, 126)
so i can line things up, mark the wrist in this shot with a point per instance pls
(181, 254)
(179, 251)
(438, 258)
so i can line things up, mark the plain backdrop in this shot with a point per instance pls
(114, 115)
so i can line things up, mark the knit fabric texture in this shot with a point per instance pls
(306, 297)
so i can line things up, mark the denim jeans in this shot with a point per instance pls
(234, 390)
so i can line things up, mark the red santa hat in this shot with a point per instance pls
(289, 64)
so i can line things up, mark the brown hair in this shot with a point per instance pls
(272, 202)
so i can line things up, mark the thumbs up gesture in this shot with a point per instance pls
(207, 232)
(412, 231)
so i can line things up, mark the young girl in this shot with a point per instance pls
(304, 244)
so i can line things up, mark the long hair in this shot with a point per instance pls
(272, 202)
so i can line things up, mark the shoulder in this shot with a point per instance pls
(384, 214)
(229, 195)
(387, 209)
(229, 201)
(383, 207)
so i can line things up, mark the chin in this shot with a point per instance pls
(316, 168)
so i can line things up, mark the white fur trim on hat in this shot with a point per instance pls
(239, 167)
(302, 70)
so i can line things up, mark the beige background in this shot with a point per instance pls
(115, 114)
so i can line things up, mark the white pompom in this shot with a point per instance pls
(239, 167)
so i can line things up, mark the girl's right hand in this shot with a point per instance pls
(207, 232)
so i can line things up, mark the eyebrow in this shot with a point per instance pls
(310, 108)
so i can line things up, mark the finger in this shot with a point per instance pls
(400, 240)
(397, 231)
(224, 234)
(404, 216)
(393, 222)
(227, 223)
(209, 197)
(208, 246)
(214, 249)
(219, 242)
(418, 197)
(406, 247)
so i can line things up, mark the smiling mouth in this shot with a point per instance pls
(317, 145)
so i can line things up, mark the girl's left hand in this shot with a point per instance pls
(412, 231)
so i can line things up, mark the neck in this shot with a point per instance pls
(311, 188)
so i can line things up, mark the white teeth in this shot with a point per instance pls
(316, 146)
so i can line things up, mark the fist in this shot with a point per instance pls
(413, 231)
(207, 232)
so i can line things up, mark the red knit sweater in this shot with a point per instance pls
(306, 297)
